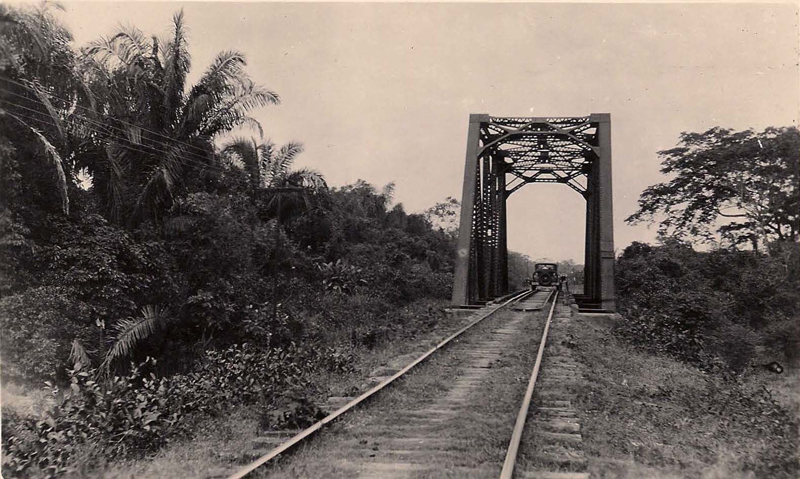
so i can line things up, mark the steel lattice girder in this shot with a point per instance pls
(543, 150)
(575, 151)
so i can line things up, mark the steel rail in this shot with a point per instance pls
(247, 469)
(516, 436)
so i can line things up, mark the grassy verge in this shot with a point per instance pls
(651, 416)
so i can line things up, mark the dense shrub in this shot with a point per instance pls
(35, 323)
(783, 336)
(120, 417)
(130, 415)
(222, 272)
(340, 277)
(83, 277)
(712, 308)
(243, 374)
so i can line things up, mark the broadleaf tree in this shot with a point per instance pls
(743, 186)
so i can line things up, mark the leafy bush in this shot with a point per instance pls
(122, 417)
(662, 332)
(290, 412)
(242, 374)
(131, 415)
(340, 277)
(34, 324)
(783, 335)
(711, 308)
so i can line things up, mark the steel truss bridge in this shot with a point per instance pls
(505, 154)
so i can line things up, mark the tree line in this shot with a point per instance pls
(129, 205)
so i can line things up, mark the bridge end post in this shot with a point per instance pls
(605, 210)
(461, 281)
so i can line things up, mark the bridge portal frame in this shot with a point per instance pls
(505, 154)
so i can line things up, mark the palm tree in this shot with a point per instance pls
(159, 131)
(272, 176)
(285, 190)
(38, 86)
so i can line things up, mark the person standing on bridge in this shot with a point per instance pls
(563, 285)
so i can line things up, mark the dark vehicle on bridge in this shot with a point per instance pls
(545, 274)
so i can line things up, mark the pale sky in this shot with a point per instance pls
(383, 92)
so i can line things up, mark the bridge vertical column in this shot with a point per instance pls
(605, 213)
(497, 240)
(465, 278)
(475, 253)
(503, 236)
(495, 206)
(588, 257)
(592, 267)
(487, 200)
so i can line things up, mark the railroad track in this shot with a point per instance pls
(551, 449)
(415, 439)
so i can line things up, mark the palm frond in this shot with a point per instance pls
(218, 84)
(306, 178)
(155, 52)
(160, 45)
(158, 189)
(127, 48)
(251, 96)
(247, 153)
(177, 64)
(280, 163)
(132, 331)
(44, 99)
(237, 145)
(85, 94)
(278, 166)
(227, 67)
(266, 150)
(287, 154)
(194, 113)
(78, 356)
(27, 26)
(232, 110)
(52, 155)
(7, 56)
(179, 224)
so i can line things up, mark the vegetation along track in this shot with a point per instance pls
(453, 418)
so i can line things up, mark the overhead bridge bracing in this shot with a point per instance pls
(505, 154)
